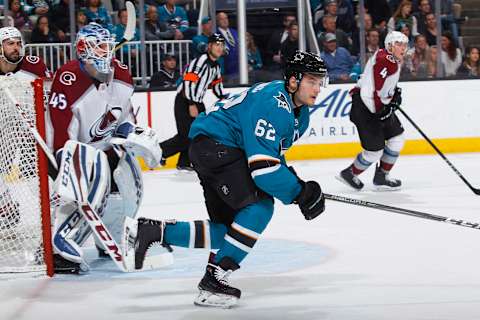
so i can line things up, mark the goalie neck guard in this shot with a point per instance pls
(95, 48)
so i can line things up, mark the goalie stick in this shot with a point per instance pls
(130, 27)
(406, 212)
(84, 206)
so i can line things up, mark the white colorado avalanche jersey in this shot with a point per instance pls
(85, 110)
(30, 68)
(379, 79)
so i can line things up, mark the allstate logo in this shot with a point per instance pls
(337, 104)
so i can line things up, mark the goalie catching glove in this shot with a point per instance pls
(140, 141)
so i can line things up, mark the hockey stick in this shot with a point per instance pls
(475, 190)
(406, 212)
(130, 27)
(92, 217)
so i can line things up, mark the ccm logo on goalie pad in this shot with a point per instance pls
(102, 232)
(66, 168)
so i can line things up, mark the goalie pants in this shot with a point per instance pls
(180, 141)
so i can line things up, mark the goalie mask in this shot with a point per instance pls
(8, 37)
(95, 48)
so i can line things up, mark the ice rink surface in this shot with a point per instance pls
(349, 263)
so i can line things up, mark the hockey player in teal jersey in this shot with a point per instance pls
(237, 151)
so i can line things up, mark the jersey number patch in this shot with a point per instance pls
(58, 100)
(265, 129)
(384, 72)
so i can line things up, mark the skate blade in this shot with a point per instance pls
(382, 188)
(215, 300)
(339, 178)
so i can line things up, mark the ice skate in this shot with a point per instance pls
(139, 236)
(214, 287)
(348, 178)
(382, 182)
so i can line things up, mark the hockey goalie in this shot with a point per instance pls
(93, 133)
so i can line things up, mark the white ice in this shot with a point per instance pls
(349, 263)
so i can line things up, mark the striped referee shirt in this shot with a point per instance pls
(201, 74)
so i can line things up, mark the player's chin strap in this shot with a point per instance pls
(140, 141)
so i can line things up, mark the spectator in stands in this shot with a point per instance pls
(278, 37)
(35, 9)
(60, 18)
(338, 60)
(355, 50)
(345, 17)
(343, 11)
(166, 78)
(96, 12)
(416, 59)
(405, 29)
(372, 43)
(176, 17)
(21, 21)
(254, 58)
(119, 31)
(290, 45)
(43, 33)
(403, 14)
(81, 19)
(447, 18)
(421, 15)
(431, 31)
(231, 46)
(451, 56)
(379, 10)
(330, 26)
(471, 66)
(200, 42)
(155, 30)
(432, 62)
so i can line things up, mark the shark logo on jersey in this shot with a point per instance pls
(106, 124)
(282, 102)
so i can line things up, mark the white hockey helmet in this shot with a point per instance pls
(393, 37)
(9, 33)
(95, 46)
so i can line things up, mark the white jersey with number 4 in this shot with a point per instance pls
(379, 79)
(85, 110)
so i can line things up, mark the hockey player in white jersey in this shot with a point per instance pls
(374, 100)
(14, 63)
(90, 107)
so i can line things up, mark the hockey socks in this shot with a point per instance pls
(195, 234)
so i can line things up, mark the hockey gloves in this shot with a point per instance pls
(389, 109)
(310, 200)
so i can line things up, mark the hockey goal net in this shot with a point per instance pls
(25, 243)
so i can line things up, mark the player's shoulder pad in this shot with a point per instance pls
(121, 72)
(70, 79)
(386, 59)
(36, 66)
(273, 97)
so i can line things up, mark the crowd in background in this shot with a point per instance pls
(336, 23)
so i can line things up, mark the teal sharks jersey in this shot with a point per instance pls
(262, 122)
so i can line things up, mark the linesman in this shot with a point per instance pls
(202, 73)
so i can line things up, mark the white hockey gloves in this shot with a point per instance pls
(140, 141)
